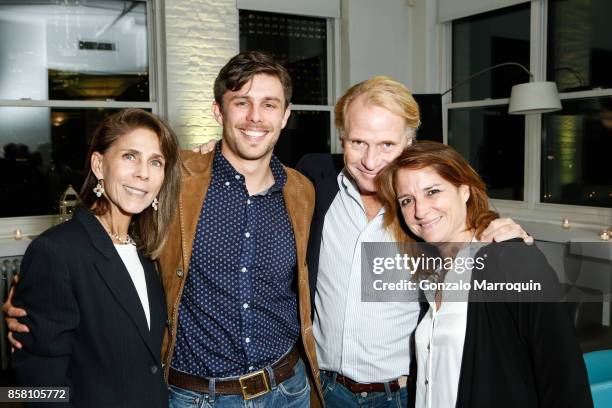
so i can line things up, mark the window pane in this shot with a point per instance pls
(494, 144)
(43, 150)
(84, 50)
(579, 44)
(299, 43)
(306, 132)
(576, 149)
(485, 40)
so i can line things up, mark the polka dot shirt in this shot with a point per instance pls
(238, 311)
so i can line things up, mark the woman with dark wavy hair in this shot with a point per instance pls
(480, 354)
(95, 306)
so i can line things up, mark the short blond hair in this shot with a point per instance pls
(380, 91)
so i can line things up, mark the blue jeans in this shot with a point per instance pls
(337, 395)
(291, 393)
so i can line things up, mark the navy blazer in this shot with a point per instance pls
(322, 170)
(88, 329)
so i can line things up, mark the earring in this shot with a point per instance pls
(99, 188)
(155, 204)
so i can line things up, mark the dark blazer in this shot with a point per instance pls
(322, 170)
(520, 354)
(87, 326)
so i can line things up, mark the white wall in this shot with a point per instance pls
(201, 36)
(377, 40)
(427, 51)
(398, 38)
(383, 37)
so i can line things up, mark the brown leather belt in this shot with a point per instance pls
(250, 385)
(357, 387)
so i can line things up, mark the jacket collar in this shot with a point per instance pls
(99, 237)
(223, 170)
(113, 271)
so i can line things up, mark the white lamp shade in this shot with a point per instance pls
(534, 97)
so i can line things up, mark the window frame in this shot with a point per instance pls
(333, 68)
(34, 224)
(530, 209)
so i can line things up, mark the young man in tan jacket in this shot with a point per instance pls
(234, 263)
(236, 280)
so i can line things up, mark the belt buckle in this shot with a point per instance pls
(243, 387)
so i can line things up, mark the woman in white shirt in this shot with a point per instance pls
(95, 306)
(480, 354)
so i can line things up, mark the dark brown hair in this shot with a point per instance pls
(149, 227)
(452, 167)
(243, 67)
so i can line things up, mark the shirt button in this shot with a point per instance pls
(249, 201)
(428, 347)
(364, 394)
(179, 272)
(247, 340)
(227, 183)
(237, 177)
(245, 306)
(248, 234)
(251, 368)
(243, 269)
(426, 382)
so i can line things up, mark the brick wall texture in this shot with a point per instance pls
(201, 35)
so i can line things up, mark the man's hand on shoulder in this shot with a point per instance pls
(504, 229)
(205, 147)
(11, 313)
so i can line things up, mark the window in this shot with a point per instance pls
(64, 66)
(579, 49)
(45, 154)
(493, 143)
(479, 126)
(303, 45)
(562, 157)
(577, 141)
(485, 40)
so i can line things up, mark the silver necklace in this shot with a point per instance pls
(122, 240)
(116, 237)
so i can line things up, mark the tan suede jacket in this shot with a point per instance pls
(174, 260)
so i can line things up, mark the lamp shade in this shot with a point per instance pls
(534, 97)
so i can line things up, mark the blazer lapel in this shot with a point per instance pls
(114, 273)
(156, 305)
(118, 280)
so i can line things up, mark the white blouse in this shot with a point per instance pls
(130, 259)
(439, 345)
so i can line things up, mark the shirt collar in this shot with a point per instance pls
(225, 172)
(279, 174)
(349, 187)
